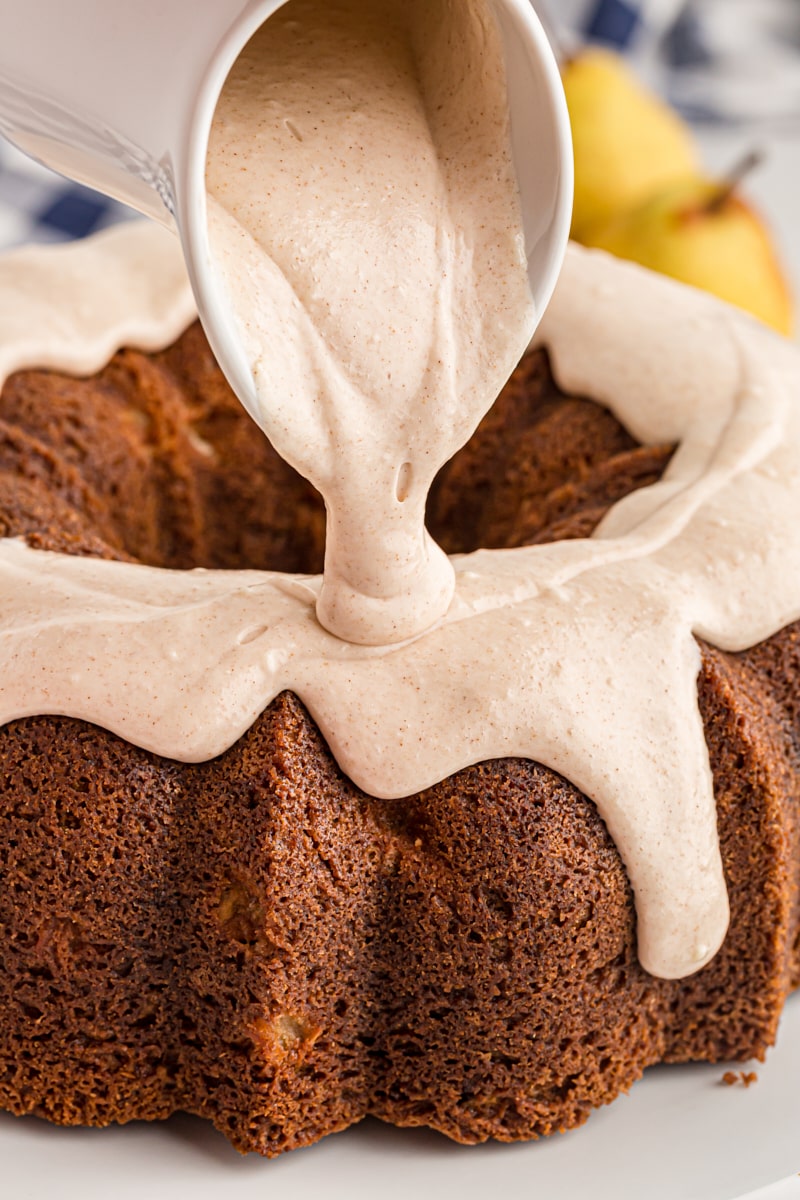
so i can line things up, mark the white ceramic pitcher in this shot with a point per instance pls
(121, 95)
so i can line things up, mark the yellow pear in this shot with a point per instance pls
(703, 233)
(627, 142)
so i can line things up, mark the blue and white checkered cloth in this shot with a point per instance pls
(618, 23)
(735, 61)
(36, 205)
(724, 60)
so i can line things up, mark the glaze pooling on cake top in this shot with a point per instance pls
(579, 655)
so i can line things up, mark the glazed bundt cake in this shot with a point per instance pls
(256, 939)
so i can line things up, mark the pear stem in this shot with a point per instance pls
(734, 177)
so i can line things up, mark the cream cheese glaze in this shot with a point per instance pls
(365, 220)
(579, 655)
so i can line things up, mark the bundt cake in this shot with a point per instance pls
(256, 938)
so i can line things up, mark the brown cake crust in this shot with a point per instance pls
(257, 941)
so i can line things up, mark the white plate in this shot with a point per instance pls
(680, 1135)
